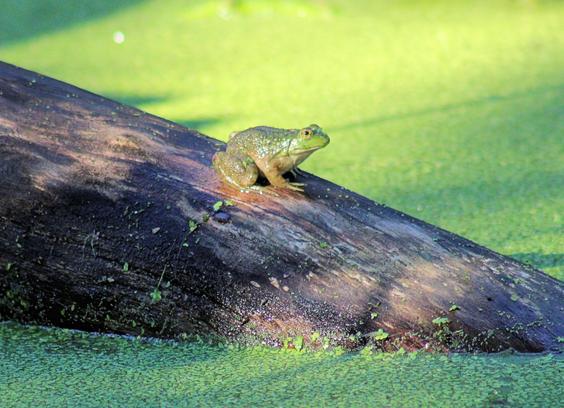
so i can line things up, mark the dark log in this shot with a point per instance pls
(95, 203)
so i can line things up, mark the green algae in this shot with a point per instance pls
(58, 367)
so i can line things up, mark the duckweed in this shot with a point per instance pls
(53, 368)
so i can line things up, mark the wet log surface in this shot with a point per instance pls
(96, 200)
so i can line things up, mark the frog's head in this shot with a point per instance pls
(308, 140)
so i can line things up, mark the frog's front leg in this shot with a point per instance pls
(235, 169)
(296, 172)
(275, 178)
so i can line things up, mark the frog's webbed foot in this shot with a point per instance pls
(295, 186)
(271, 190)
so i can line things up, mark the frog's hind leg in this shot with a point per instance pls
(236, 170)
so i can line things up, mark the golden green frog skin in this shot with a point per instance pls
(268, 152)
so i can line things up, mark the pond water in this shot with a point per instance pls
(56, 367)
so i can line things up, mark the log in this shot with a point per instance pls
(107, 223)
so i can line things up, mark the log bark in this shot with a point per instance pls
(96, 200)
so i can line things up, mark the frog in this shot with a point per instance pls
(268, 152)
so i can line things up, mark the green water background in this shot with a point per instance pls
(451, 111)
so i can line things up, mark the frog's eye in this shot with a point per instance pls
(307, 133)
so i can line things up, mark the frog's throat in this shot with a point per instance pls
(297, 152)
(301, 151)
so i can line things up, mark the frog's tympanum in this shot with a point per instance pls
(267, 152)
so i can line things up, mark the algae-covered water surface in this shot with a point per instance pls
(451, 111)
(63, 368)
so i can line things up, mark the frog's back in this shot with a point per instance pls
(265, 131)
(256, 137)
